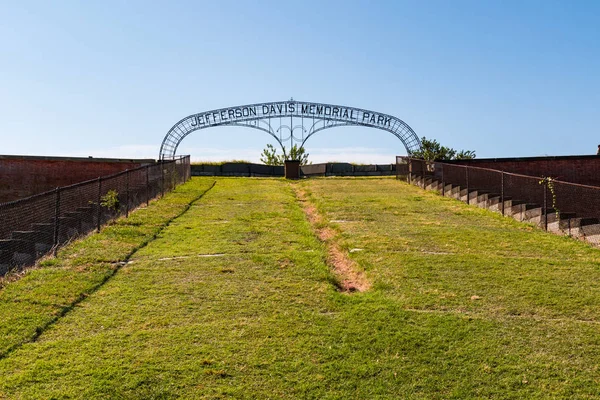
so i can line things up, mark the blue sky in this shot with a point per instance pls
(503, 78)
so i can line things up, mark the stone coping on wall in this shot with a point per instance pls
(525, 159)
(78, 159)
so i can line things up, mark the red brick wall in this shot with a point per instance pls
(579, 169)
(23, 176)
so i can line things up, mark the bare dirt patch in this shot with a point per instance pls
(351, 277)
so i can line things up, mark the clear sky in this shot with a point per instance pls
(104, 78)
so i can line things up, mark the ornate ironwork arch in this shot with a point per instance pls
(273, 118)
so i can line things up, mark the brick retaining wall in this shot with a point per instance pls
(24, 176)
(584, 170)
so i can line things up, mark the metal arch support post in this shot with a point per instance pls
(338, 125)
(313, 131)
(264, 130)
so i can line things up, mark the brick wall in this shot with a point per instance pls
(578, 169)
(23, 176)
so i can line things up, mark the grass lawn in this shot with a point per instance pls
(234, 299)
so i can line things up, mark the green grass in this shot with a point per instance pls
(234, 299)
(37, 300)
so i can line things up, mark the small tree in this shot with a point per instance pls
(432, 150)
(465, 155)
(269, 155)
(298, 153)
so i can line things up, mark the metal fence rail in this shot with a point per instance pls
(559, 206)
(35, 226)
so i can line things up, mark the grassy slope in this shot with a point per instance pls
(36, 300)
(533, 330)
(263, 320)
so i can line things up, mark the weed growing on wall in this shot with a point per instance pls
(549, 183)
(110, 200)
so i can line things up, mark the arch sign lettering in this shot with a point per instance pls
(291, 121)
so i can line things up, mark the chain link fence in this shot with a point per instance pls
(562, 207)
(35, 226)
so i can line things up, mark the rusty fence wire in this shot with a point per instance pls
(571, 208)
(35, 226)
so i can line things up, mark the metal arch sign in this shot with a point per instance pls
(293, 121)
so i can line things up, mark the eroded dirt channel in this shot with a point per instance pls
(349, 274)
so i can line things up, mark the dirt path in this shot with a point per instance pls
(350, 275)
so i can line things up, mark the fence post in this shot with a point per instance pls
(188, 163)
(56, 220)
(162, 179)
(147, 186)
(423, 171)
(467, 176)
(409, 178)
(443, 183)
(545, 209)
(127, 193)
(98, 206)
(502, 190)
(172, 176)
